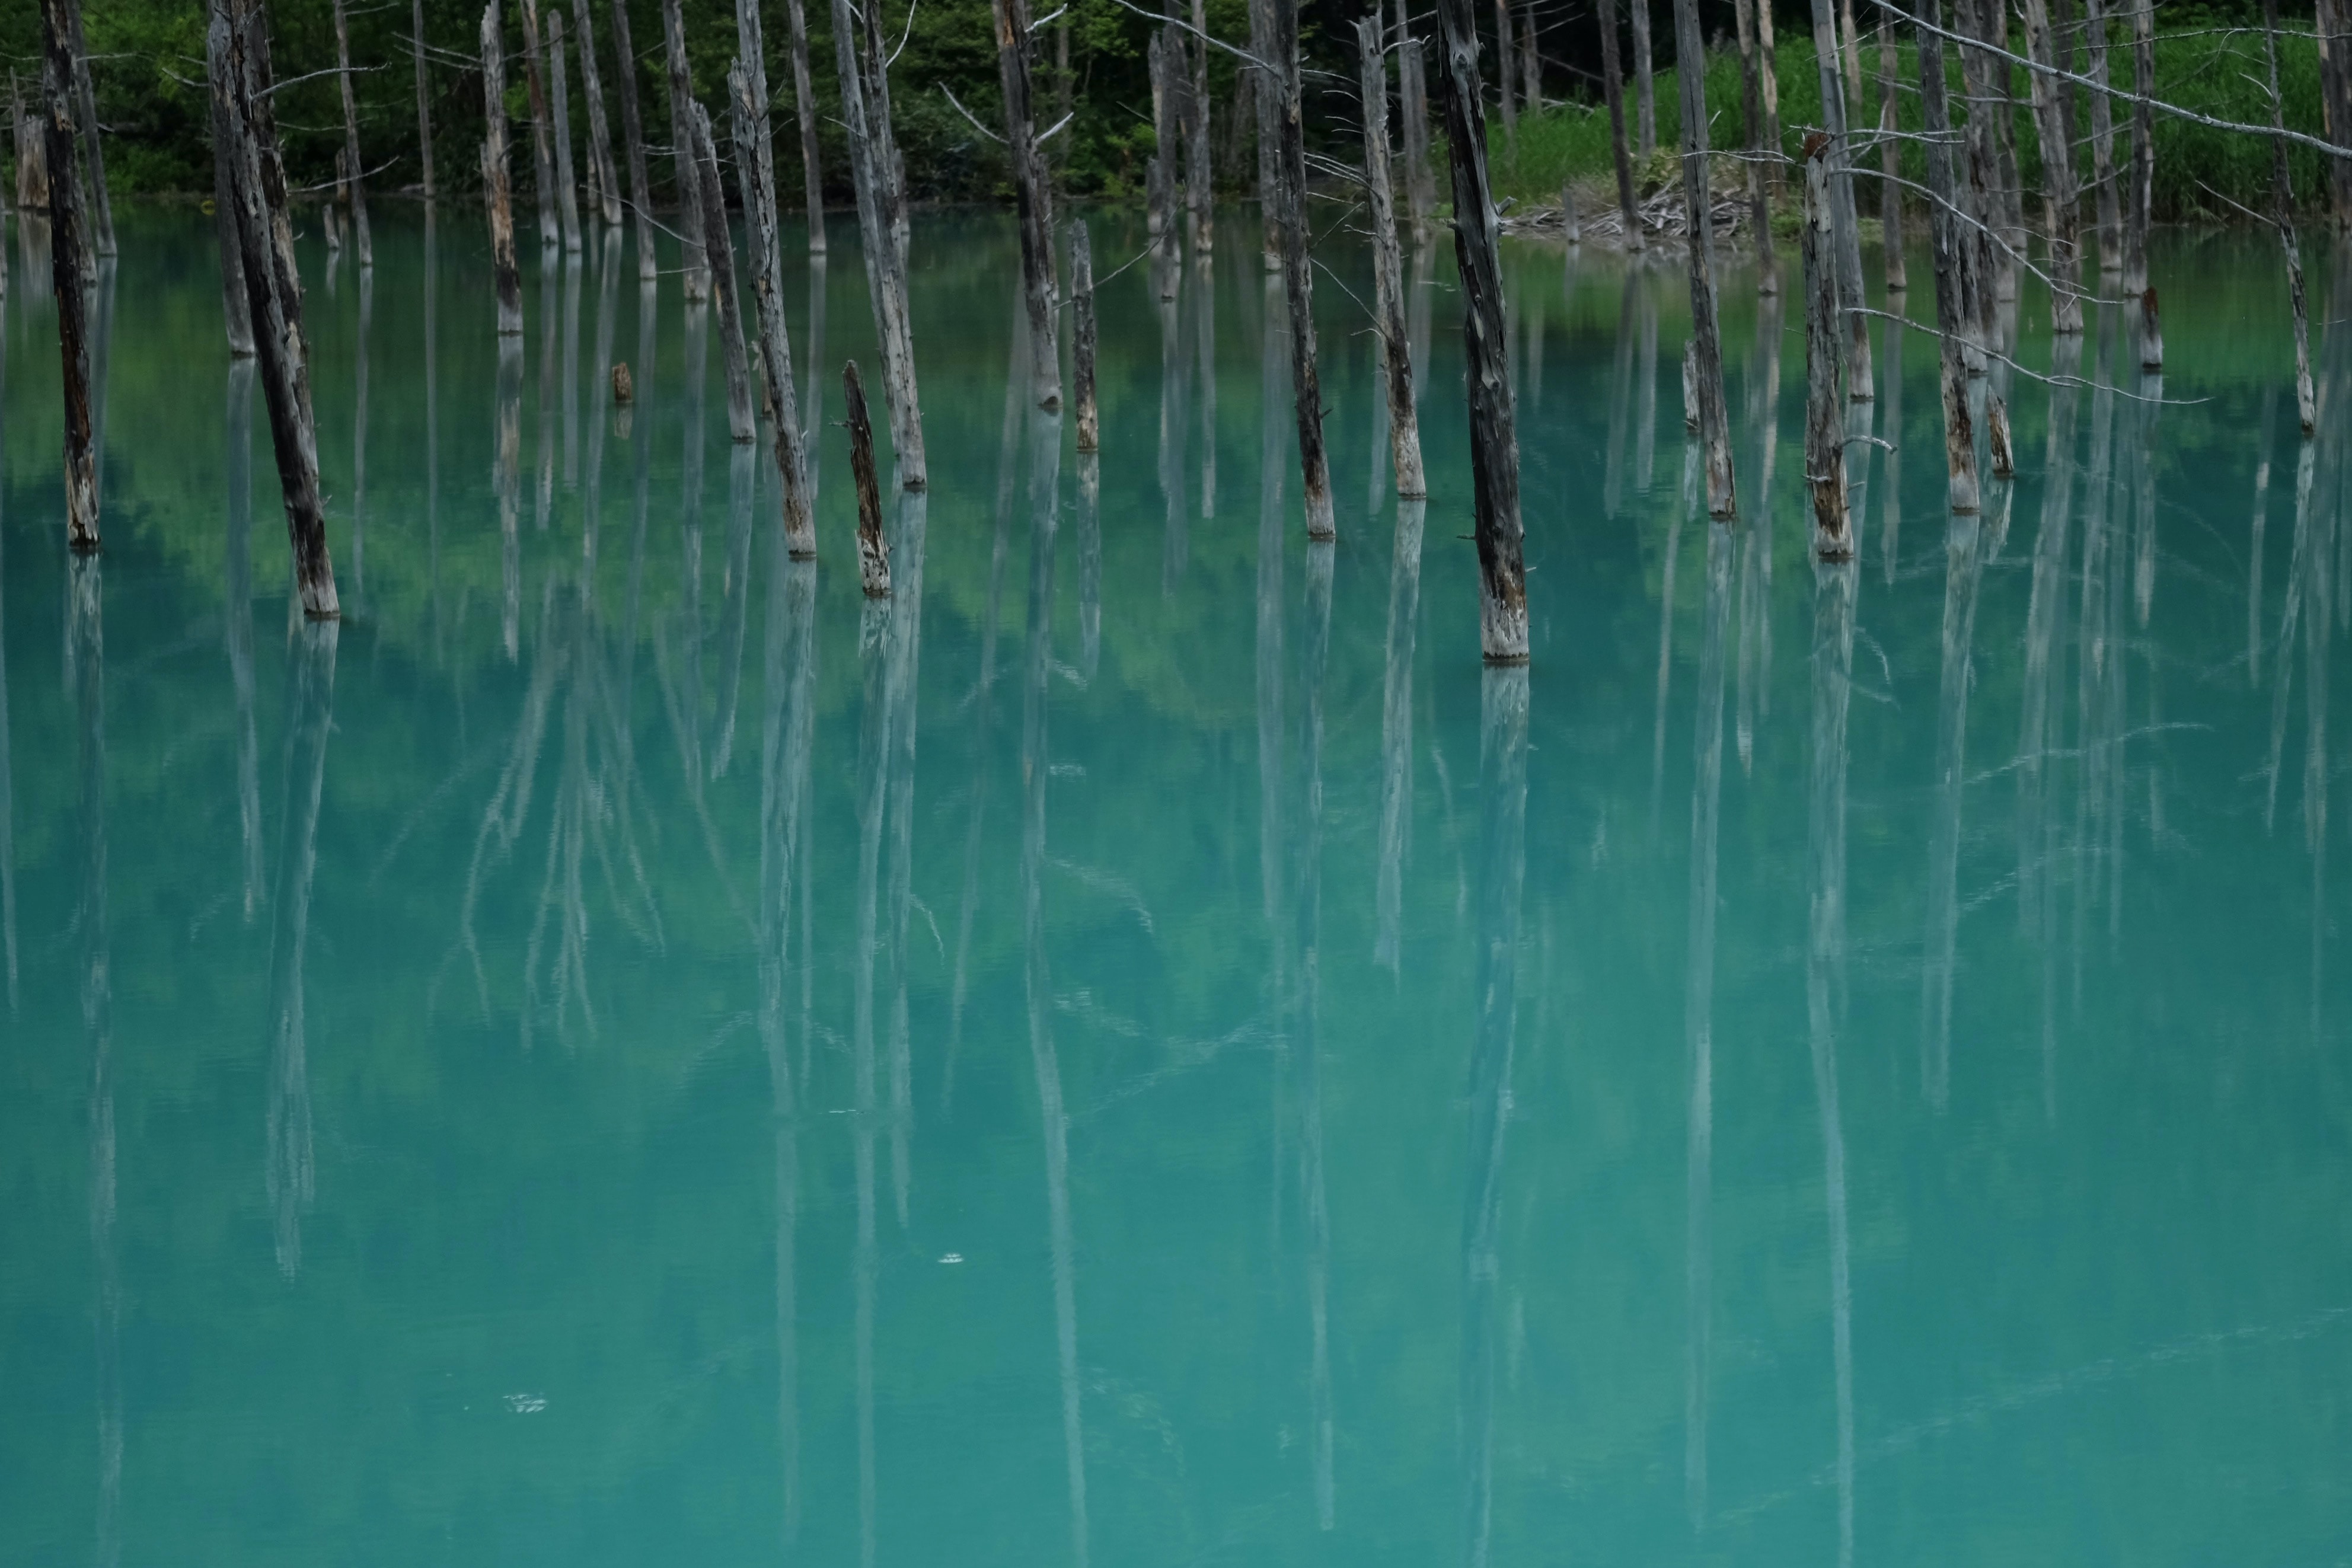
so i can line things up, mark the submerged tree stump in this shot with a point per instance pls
(1081, 336)
(873, 549)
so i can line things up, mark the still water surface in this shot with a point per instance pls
(1138, 1050)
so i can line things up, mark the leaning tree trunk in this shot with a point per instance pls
(1297, 279)
(873, 549)
(776, 341)
(632, 137)
(1081, 336)
(65, 271)
(2283, 213)
(1714, 418)
(718, 259)
(1033, 200)
(542, 152)
(1824, 407)
(1493, 421)
(600, 130)
(1388, 273)
(884, 281)
(567, 184)
(2057, 173)
(355, 167)
(424, 97)
(1943, 225)
(688, 175)
(102, 207)
(1629, 209)
(235, 308)
(804, 106)
(497, 184)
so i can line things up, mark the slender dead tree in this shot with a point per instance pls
(1265, 99)
(1494, 419)
(1824, 405)
(2143, 183)
(1613, 87)
(1033, 198)
(804, 106)
(2057, 173)
(1412, 99)
(1890, 153)
(754, 159)
(875, 183)
(1198, 181)
(1714, 418)
(1388, 273)
(543, 151)
(1760, 178)
(1160, 176)
(2103, 141)
(752, 58)
(873, 549)
(355, 169)
(2283, 214)
(633, 139)
(687, 172)
(235, 312)
(497, 189)
(567, 184)
(719, 260)
(1943, 226)
(603, 174)
(1847, 230)
(423, 95)
(1645, 98)
(1503, 79)
(66, 242)
(85, 102)
(1297, 279)
(1081, 336)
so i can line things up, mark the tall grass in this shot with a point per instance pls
(2200, 65)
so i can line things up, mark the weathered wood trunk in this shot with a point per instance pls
(805, 107)
(235, 310)
(1944, 229)
(718, 259)
(2057, 174)
(66, 241)
(873, 549)
(423, 95)
(2139, 188)
(1164, 59)
(633, 142)
(2336, 102)
(1494, 419)
(1388, 273)
(1996, 448)
(567, 182)
(1629, 209)
(1503, 79)
(1199, 180)
(751, 59)
(1571, 221)
(1033, 198)
(2109, 221)
(355, 171)
(885, 260)
(1846, 228)
(99, 239)
(1265, 100)
(1890, 190)
(775, 340)
(1412, 100)
(1645, 98)
(274, 297)
(497, 185)
(1759, 191)
(1714, 418)
(1530, 62)
(2151, 331)
(1081, 336)
(543, 151)
(1297, 277)
(2282, 214)
(688, 175)
(605, 177)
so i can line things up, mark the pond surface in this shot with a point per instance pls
(1137, 1051)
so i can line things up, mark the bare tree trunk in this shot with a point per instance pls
(542, 152)
(567, 184)
(2283, 214)
(64, 268)
(1847, 225)
(235, 310)
(1503, 79)
(1824, 405)
(1265, 97)
(1165, 57)
(1713, 421)
(1645, 93)
(102, 208)
(873, 549)
(719, 258)
(1199, 183)
(1081, 336)
(2057, 174)
(2334, 103)
(754, 159)
(354, 169)
(1759, 193)
(496, 187)
(1297, 279)
(805, 107)
(2103, 141)
(604, 175)
(1959, 434)
(423, 96)
(2143, 180)
(1530, 61)
(632, 137)
(1629, 209)
(751, 55)
(689, 175)
(1494, 419)
(1412, 98)
(869, 153)
(1035, 200)
(1891, 164)
(1388, 273)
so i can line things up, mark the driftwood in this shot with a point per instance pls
(542, 152)
(603, 174)
(1493, 417)
(873, 549)
(1824, 405)
(1714, 418)
(805, 107)
(65, 241)
(1628, 209)
(353, 177)
(1033, 198)
(497, 188)
(633, 139)
(1081, 336)
(423, 95)
(1943, 225)
(567, 184)
(1297, 279)
(775, 340)
(719, 260)
(1388, 273)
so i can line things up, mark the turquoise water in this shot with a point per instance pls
(1139, 1051)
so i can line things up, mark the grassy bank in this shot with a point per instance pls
(2198, 66)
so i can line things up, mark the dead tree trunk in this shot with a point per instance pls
(1714, 418)
(1846, 226)
(1629, 209)
(1033, 200)
(567, 184)
(1645, 98)
(718, 259)
(497, 185)
(542, 152)
(1494, 420)
(235, 310)
(2334, 103)
(1298, 279)
(274, 297)
(1265, 98)
(65, 271)
(804, 106)
(1759, 191)
(776, 341)
(1412, 99)
(1891, 164)
(1159, 186)
(1199, 186)
(1388, 274)
(606, 177)
(2103, 141)
(688, 175)
(873, 549)
(85, 98)
(423, 95)
(885, 265)
(1824, 405)
(355, 169)
(1081, 336)
(633, 139)
(2283, 214)
(2143, 179)
(2057, 173)
(1503, 79)
(752, 57)
(1943, 225)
